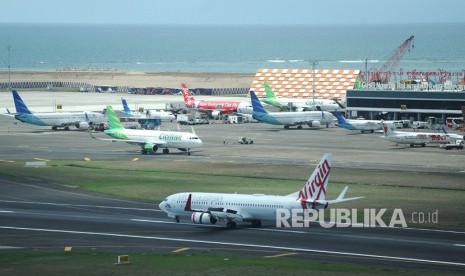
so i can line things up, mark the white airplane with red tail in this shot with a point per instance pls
(216, 107)
(209, 208)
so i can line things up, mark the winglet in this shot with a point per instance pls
(188, 203)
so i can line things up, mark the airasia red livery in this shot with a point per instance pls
(215, 107)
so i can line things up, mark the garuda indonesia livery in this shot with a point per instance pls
(150, 114)
(150, 140)
(310, 118)
(81, 120)
(209, 208)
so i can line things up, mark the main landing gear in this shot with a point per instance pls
(231, 224)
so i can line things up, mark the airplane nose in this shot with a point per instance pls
(162, 206)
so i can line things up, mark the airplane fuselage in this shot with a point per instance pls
(251, 207)
(294, 118)
(167, 139)
(59, 119)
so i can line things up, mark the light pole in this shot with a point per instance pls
(9, 67)
(313, 62)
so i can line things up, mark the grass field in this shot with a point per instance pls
(98, 263)
(154, 180)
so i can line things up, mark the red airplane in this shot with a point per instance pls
(215, 107)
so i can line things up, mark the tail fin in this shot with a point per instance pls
(188, 98)
(317, 184)
(256, 105)
(270, 96)
(19, 104)
(126, 108)
(113, 120)
(387, 130)
(340, 119)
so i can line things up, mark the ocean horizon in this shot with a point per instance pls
(229, 48)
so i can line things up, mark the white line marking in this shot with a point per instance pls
(457, 244)
(402, 259)
(79, 205)
(6, 211)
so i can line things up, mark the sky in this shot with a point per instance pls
(232, 12)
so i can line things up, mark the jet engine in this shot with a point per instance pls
(203, 218)
(150, 148)
(82, 125)
(315, 124)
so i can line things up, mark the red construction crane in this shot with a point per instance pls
(384, 73)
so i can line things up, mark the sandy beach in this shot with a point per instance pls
(137, 79)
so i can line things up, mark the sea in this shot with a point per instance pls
(230, 49)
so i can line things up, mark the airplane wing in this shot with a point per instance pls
(217, 213)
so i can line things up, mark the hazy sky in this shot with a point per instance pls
(232, 11)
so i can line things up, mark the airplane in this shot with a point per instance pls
(299, 104)
(217, 107)
(209, 208)
(81, 120)
(414, 138)
(162, 115)
(149, 140)
(360, 124)
(298, 118)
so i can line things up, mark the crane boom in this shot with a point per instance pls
(383, 74)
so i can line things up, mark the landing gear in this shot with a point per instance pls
(66, 127)
(143, 151)
(176, 219)
(188, 152)
(231, 225)
(412, 145)
(299, 127)
(166, 151)
(54, 128)
(286, 127)
(256, 223)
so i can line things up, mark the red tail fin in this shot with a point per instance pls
(188, 98)
(317, 183)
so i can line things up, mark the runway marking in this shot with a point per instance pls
(135, 159)
(87, 159)
(7, 161)
(80, 205)
(340, 253)
(9, 247)
(281, 255)
(457, 244)
(42, 159)
(180, 249)
(6, 211)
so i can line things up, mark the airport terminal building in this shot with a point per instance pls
(404, 104)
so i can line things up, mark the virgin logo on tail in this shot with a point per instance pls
(315, 185)
(188, 98)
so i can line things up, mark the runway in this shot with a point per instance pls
(38, 215)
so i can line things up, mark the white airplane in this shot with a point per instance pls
(150, 140)
(81, 120)
(310, 118)
(209, 208)
(360, 124)
(164, 116)
(414, 138)
(300, 104)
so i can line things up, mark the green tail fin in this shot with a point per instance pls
(113, 120)
(270, 96)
